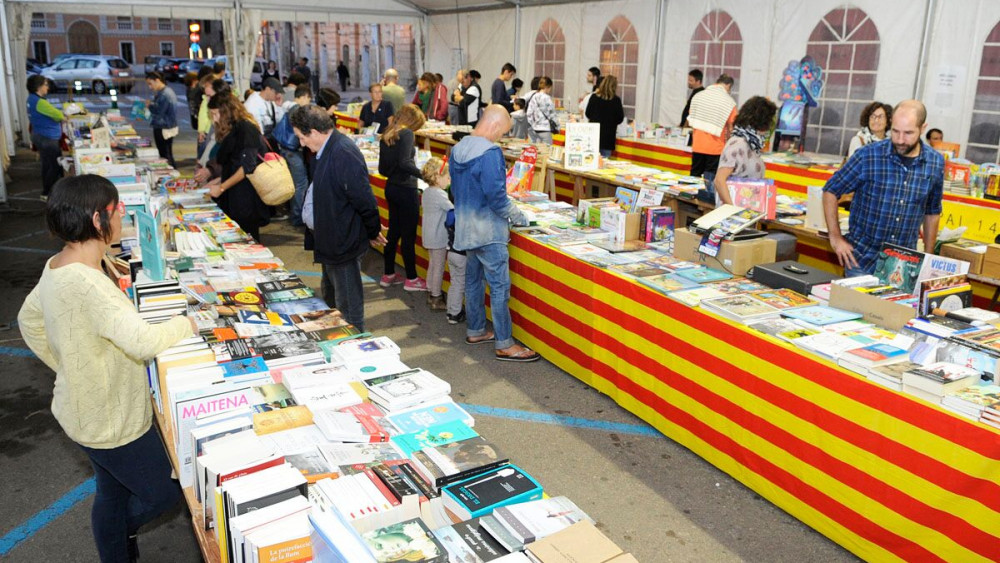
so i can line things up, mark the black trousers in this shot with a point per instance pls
(404, 214)
(164, 146)
(49, 152)
(702, 163)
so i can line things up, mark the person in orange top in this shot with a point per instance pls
(712, 114)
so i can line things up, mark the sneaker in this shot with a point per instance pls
(386, 281)
(437, 303)
(416, 284)
(455, 319)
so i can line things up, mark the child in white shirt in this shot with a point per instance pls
(435, 235)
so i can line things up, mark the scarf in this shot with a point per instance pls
(710, 110)
(867, 136)
(752, 138)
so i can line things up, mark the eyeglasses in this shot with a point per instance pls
(121, 208)
(879, 116)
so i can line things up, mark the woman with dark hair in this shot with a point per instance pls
(605, 107)
(270, 72)
(85, 329)
(876, 119)
(541, 112)
(395, 162)
(240, 148)
(741, 156)
(377, 110)
(432, 97)
(328, 99)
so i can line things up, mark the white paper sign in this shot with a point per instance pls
(583, 146)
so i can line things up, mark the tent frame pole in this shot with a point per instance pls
(661, 11)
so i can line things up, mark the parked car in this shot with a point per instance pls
(173, 69)
(63, 56)
(192, 65)
(151, 62)
(255, 79)
(34, 67)
(96, 73)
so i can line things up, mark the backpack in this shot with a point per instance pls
(284, 134)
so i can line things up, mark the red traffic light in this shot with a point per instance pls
(194, 37)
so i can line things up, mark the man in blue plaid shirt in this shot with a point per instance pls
(897, 185)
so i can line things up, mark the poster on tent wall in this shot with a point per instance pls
(800, 88)
(583, 146)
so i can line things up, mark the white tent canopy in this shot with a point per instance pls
(926, 49)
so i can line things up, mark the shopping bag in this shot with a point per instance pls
(272, 179)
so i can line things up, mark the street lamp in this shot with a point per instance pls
(114, 98)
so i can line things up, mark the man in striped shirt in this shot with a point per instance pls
(897, 185)
(712, 114)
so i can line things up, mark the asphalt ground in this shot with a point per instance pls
(647, 493)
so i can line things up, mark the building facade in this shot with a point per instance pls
(367, 50)
(131, 38)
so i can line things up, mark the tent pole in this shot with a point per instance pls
(517, 34)
(918, 84)
(654, 111)
(8, 97)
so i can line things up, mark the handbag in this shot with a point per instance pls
(553, 124)
(271, 179)
(171, 132)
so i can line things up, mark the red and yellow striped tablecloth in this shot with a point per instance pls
(887, 476)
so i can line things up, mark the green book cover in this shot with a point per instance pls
(437, 435)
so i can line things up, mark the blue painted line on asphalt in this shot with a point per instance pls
(561, 420)
(32, 250)
(46, 516)
(20, 352)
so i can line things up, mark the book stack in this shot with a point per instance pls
(934, 381)
(158, 301)
(978, 402)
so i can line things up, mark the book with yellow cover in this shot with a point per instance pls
(281, 419)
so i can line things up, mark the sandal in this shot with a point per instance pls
(525, 355)
(488, 337)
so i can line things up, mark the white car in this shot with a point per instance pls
(96, 73)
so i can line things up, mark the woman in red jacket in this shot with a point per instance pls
(431, 97)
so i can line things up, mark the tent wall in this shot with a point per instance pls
(487, 42)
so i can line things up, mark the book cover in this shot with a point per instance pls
(409, 540)
(626, 198)
(467, 541)
(151, 245)
(318, 320)
(821, 315)
(288, 295)
(784, 298)
(531, 521)
(693, 297)
(739, 307)
(666, 283)
(758, 195)
(453, 462)
(288, 284)
(299, 306)
(657, 224)
(875, 354)
(480, 495)
(737, 286)
(425, 416)
(312, 465)
(703, 275)
(899, 267)
(437, 435)
(285, 345)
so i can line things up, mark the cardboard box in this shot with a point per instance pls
(886, 314)
(958, 252)
(735, 257)
(991, 262)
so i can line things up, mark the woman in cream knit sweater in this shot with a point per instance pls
(84, 328)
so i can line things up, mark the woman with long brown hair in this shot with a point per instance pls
(240, 148)
(605, 107)
(395, 162)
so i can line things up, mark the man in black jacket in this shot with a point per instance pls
(340, 209)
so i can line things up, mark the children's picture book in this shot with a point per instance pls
(522, 173)
(693, 297)
(626, 198)
(583, 146)
(657, 224)
(758, 195)
(740, 308)
(737, 286)
(784, 298)
(666, 282)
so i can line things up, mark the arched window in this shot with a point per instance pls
(845, 43)
(620, 57)
(984, 133)
(717, 48)
(550, 55)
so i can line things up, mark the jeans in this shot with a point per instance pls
(540, 136)
(350, 293)
(49, 152)
(435, 270)
(708, 194)
(488, 264)
(133, 488)
(854, 272)
(297, 166)
(404, 215)
(456, 291)
(164, 146)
